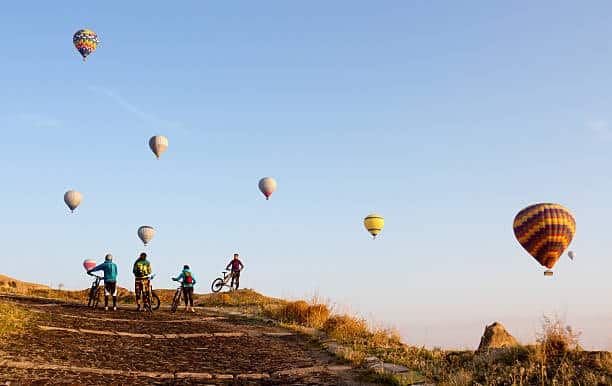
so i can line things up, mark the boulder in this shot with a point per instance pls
(495, 336)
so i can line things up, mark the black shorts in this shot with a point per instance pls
(110, 288)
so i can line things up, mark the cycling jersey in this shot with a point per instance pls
(142, 269)
(109, 268)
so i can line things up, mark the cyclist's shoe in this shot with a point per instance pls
(115, 308)
(105, 308)
(192, 309)
(138, 308)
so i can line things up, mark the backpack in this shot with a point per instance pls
(188, 277)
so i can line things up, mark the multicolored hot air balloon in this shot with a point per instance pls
(158, 145)
(85, 41)
(545, 231)
(374, 223)
(73, 199)
(267, 185)
(146, 233)
(89, 264)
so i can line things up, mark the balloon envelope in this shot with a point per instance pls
(158, 145)
(89, 264)
(374, 223)
(73, 199)
(146, 233)
(545, 231)
(85, 41)
(267, 185)
(571, 254)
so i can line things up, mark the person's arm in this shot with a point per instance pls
(241, 265)
(193, 278)
(179, 277)
(134, 269)
(228, 266)
(96, 269)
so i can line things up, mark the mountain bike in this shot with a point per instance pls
(94, 292)
(219, 282)
(176, 300)
(150, 300)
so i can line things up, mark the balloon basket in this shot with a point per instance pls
(548, 273)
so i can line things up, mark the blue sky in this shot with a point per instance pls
(445, 118)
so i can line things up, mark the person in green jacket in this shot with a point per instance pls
(141, 271)
(110, 279)
(187, 281)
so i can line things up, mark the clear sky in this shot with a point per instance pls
(445, 117)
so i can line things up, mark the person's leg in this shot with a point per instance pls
(112, 290)
(237, 279)
(186, 297)
(191, 297)
(232, 282)
(137, 292)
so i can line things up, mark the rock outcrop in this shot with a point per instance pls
(495, 336)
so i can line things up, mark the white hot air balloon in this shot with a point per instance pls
(146, 233)
(267, 185)
(158, 145)
(73, 199)
(571, 254)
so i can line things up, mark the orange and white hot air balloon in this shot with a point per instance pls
(267, 185)
(158, 145)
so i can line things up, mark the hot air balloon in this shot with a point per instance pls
(571, 255)
(85, 41)
(267, 185)
(374, 223)
(146, 233)
(158, 145)
(545, 231)
(73, 199)
(89, 264)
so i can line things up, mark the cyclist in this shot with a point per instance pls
(141, 271)
(110, 279)
(236, 266)
(188, 281)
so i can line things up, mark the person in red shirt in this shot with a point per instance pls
(236, 266)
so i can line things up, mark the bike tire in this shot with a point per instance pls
(146, 300)
(176, 300)
(155, 302)
(217, 285)
(96, 299)
(92, 290)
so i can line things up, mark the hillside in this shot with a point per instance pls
(556, 358)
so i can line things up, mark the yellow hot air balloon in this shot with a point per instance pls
(374, 223)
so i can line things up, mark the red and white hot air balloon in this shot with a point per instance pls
(89, 264)
(267, 185)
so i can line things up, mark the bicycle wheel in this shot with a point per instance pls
(176, 300)
(155, 302)
(96, 298)
(92, 291)
(217, 284)
(146, 299)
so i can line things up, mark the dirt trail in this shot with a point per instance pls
(70, 344)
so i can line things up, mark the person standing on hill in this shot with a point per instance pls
(236, 266)
(110, 279)
(141, 271)
(188, 281)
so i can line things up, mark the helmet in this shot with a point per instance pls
(108, 257)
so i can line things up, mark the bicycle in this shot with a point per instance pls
(176, 300)
(219, 282)
(94, 292)
(150, 300)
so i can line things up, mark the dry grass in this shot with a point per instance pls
(13, 319)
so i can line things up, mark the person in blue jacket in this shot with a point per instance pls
(188, 281)
(110, 279)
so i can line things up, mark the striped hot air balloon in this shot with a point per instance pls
(73, 199)
(146, 233)
(374, 223)
(158, 145)
(545, 231)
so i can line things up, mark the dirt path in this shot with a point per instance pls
(70, 344)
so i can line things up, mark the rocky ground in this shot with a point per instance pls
(71, 344)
